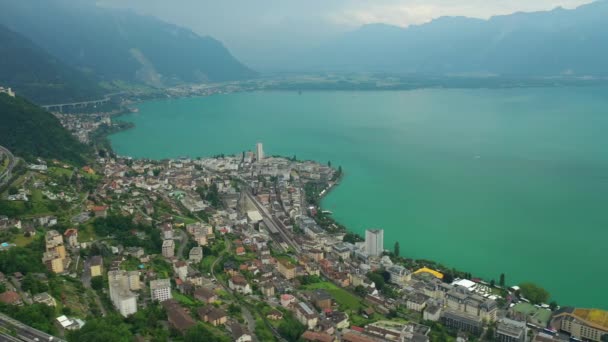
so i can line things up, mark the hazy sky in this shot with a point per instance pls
(280, 26)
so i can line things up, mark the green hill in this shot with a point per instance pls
(28, 131)
(122, 45)
(38, 76)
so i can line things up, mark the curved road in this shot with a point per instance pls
(6, 175)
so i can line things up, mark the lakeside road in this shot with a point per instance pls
(25, 332)
(6, 175)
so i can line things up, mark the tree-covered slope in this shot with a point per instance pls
(38, 76)
(116, 44)
(29, 131)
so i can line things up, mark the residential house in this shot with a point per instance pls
(71, 236)
(306, 315)
(96, 266)
(179, 319)
(287, 269)
(239, 284)
(168, 248)
(196, 254)
(205, 295)
(212, 315)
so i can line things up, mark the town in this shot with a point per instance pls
(231, 248)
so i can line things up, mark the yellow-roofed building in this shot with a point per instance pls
(432, 272)
(588, 324)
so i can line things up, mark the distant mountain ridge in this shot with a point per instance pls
(116, 44)
(40, 77)
(557, 42)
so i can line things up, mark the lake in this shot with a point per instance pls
(488, 181)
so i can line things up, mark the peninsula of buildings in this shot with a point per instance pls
(236, 248)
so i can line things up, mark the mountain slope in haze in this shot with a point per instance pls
(28, 131)
(38, 76)
(555, 42)
(116, 44)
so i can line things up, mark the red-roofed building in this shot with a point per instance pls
(314, 336)
(240, 251)
(71, 235)
(10, 297)
(100, 211)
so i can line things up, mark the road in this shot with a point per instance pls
(280, 227)
(6, 175)
(24, 332)
(183, 242)
(86, 281)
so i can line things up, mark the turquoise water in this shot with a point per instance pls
(487, 181)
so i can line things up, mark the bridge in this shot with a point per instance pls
(82, 104)
(60, 106)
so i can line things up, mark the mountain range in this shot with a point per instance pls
(39, 76)
(557, 42)
(121, 45)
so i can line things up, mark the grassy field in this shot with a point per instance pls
(345, 299)
(86, 233)
(182, 299)
(22, 241)
(59, 171)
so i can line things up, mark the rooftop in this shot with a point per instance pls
(595, 316)
(430, 271)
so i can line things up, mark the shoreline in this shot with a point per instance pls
(430, 262)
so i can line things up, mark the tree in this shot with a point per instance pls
(553, 306)
(360, 291)
(378, 279)
(290, 328)
(97, 283)
(489, 334)
(604, 338)
(396, 250)
(329, 163)
(492, 282)
(13, 190)
(501, 282)
(534, 293)
(104, 329)
(200, 333)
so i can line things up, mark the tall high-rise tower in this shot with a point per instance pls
(260, 151)
(374, 242)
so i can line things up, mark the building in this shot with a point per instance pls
(123, 299)
(7, 91)
(205, 295)
(260, 151)
(239, 284)
(287, 269)
(71, 235)
(179, 319)
(399, 275)
(196, 254)
(168, 248)
(96, 266)
(508, 330)
(374, 242)
(212, 315)
(55, 257)
(321, 299)
(306, 315)
(417, 302)
(160, 289)
(462, 321)
(461, 299)
(585, 324)
(239, 334)
(128, 279)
